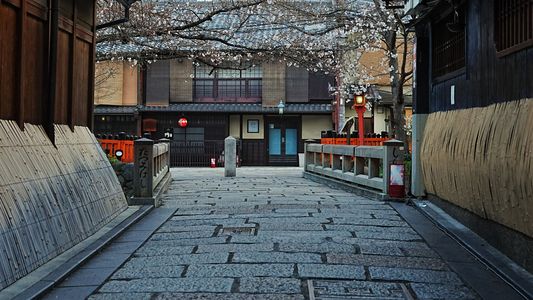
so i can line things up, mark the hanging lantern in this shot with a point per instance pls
(183, 122)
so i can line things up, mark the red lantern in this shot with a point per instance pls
(182, 122)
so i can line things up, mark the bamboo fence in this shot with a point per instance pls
(51, 197)
(481, 159)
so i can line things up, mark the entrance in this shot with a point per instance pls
(282, 135)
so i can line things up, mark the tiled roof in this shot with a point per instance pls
(296, 108)
(114, 110)
(256, 31)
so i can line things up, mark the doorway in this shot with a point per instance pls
(282, 134)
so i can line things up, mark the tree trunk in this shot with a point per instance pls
(398, 114)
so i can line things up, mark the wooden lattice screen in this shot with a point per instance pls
(448, 47)
(513, 25)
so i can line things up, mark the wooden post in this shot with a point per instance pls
(361, 123)
(22, 64)
(73, 84)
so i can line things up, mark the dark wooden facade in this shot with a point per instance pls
(57, 187)
(490, 75)
(47, 62)
(475, 156)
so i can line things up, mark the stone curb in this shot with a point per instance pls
(38, 289)
(517, 277)
(352, 188)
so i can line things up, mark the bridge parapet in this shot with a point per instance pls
(364, 166)
(151, 174)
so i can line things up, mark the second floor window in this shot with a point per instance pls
(448, 48)
(513, 24)
(227, 85)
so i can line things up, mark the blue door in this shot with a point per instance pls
(274, 138)
(291, 141)
(282, 134)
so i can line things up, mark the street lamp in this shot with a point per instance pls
(360, 100)
(360, 106)
(281, 106)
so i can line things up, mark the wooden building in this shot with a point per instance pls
(473, 114)
(56, 184)
(216, 103)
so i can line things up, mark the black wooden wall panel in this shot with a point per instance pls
(158, 83)
(487, 79)
(318, 86)
(423, 57)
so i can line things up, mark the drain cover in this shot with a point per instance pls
(238, 230)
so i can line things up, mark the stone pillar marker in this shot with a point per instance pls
(166, 141)
(143, 176)
(230, 157)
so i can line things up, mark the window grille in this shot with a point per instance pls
(448, 48)
(513, 25)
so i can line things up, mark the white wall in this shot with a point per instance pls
(312, 125)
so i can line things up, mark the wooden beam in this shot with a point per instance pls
(92, 68)
(52, 69)
(22, 63)
(72, 70)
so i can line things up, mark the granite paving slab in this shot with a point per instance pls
(414, 275)
(266, 247)
(343, 289)
(276, 257)
(232, 296)
(148, 272)
(121, 296)
(386, 261)
(241, 270)
(441, 291)
(160, 285)
(331, 271)
(325, 247)
(151, 250)
(175, 260)
(270, 285)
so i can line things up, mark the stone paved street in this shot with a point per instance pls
(270, 234)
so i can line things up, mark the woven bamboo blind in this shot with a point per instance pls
(481, 159)
(50, 198)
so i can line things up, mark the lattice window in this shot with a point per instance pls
(228, 84)
(448, 47)
(513, 25)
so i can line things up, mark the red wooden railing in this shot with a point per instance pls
(354, 141)
(111, 146)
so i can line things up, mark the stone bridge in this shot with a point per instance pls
(271, 234)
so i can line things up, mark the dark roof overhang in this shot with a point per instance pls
(253, 108)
